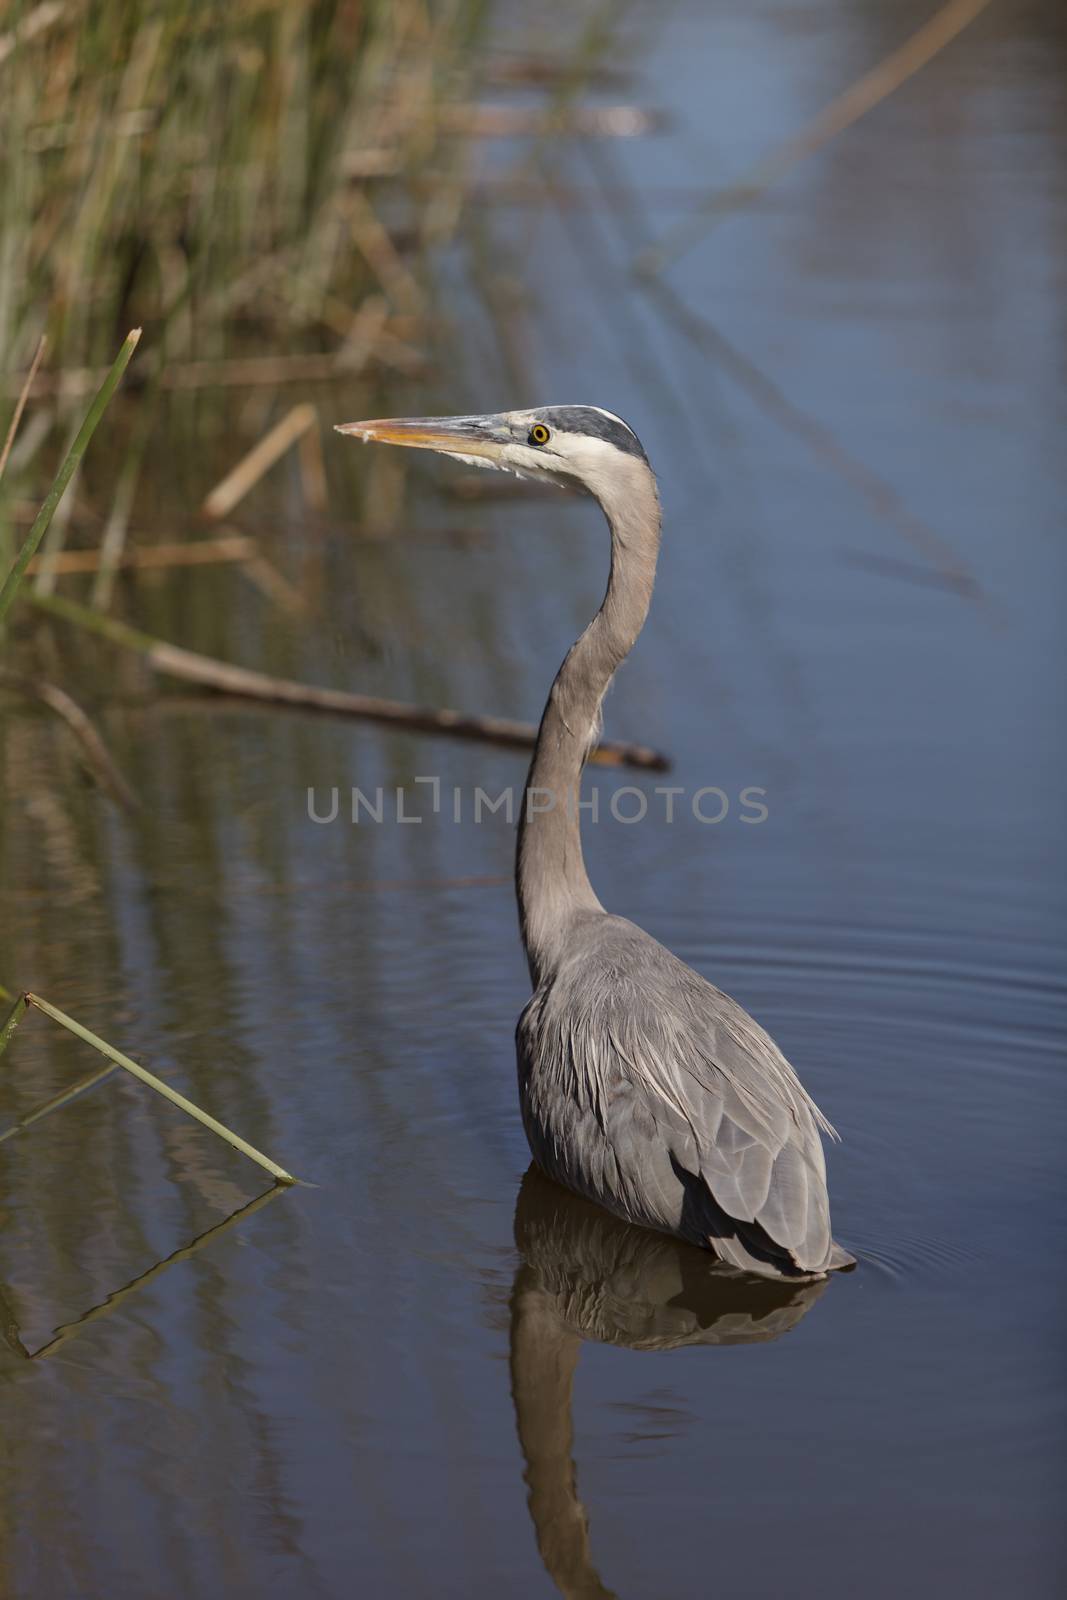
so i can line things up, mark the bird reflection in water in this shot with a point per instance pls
(586, 1275)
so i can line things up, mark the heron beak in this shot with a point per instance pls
(458, 436)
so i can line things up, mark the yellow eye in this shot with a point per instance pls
(539, 434)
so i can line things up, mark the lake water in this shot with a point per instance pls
(377, 1383)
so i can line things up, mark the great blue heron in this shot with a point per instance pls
(642, 1086)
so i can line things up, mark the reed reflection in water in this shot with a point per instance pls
(9, 1327)
(586, 1275)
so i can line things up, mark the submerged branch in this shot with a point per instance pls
(224, 678)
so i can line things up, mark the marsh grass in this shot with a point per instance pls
(277, 191)
(214, 171)
(245, 182)
(69, 466)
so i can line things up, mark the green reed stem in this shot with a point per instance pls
(153, 1082)
(66, 472)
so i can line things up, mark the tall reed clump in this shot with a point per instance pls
(210, 172)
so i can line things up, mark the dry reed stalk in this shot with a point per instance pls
(113, 543)
(271, 583)
(30, 27)
(236, 372)
(116, 528)
(381, 255)
(20, 404)
(521, 122)
(364, 331)
(154, 557)
(259, 460)
(312, 464)
(237, 548)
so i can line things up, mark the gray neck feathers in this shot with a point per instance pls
(551, 879)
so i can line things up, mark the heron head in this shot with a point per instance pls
(579, 446)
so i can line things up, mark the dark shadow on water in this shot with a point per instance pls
(586, 1275)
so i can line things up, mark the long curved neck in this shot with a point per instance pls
(551, 880)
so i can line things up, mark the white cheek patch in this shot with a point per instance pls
(526, 462)
(596, 462)
(514, 462)
(473, 461)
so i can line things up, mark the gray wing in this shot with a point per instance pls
(686, 1113)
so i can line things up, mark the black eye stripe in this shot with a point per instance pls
(594, 424)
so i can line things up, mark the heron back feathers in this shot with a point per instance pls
(649, 1090)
